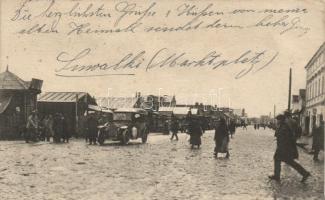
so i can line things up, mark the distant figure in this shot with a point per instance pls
(19, 122)
(32, 127)
(92, 128)
(255, 126)
(232, 128)
(48, 127)
(58, 127)
(166, 127)
(195, 132)
(286, 150)
(244, 125)
(318, 140)
(66, 130)
(221, 138)
(174, 126)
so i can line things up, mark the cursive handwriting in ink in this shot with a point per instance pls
(125, 9)
(73, 63)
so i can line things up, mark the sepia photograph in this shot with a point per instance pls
(162, 99)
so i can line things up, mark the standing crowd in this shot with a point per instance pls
(47, 127)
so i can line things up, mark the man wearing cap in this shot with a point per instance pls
(286, 150)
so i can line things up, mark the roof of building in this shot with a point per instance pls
(131, 110)
(10, 81)
(99, 109)
(316, 55)
(117, 102)
(166, 109)
(179, 110)
(61, 96)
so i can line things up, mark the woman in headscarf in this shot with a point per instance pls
(221, 138)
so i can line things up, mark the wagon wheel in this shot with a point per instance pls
(101, 138)
(125, 137)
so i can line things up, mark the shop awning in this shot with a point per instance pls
(4, 102)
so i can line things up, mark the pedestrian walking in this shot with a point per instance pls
(318, 140)
(174, 126)
(92, 124)
(221, 138)
(286, 150)
(195, 132)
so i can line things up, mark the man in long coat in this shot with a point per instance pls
(286, 150)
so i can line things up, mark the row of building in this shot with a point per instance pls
(309, 105)
(18, 98)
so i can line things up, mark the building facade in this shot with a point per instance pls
(315, 89)
(17, 101)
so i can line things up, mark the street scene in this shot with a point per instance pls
(162, 100)
(159, 169)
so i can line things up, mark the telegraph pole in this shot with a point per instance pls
(289, 98)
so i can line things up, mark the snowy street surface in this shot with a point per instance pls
(160, 169)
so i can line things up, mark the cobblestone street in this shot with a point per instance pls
(160, 169)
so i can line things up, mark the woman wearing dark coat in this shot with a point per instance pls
(221, 138)
(286, 150)
(195, 132)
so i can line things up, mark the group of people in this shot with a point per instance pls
(257, 126)
(223, 132)
(194, 129)
(50, 126)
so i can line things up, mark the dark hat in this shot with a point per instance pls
(287, 113)
(280, 117)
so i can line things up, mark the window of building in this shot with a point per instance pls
(316, 84)
(323, 85)
(319, 87)
(312, 90)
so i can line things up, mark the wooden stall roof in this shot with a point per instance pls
(63, 97)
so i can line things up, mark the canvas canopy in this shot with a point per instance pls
(4, 101)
